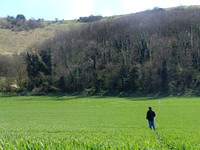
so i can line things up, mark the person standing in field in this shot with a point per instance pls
(150, 116)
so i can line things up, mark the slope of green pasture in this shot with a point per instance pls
(12, 42)
(69, 122)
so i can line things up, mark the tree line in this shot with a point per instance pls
(20, 23)
(151, 52)
(89, 19)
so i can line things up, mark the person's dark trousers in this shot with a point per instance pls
(151, 123)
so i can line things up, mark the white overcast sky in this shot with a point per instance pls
(73, 9)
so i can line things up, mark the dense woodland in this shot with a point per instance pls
(151, 52)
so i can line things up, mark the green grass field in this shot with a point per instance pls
(69, 122)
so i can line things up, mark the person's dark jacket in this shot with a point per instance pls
(150, 115)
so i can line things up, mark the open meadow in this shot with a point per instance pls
(71, 122)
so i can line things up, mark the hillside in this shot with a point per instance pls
(151, 52)
(155, 51)
(12, 42)
(17, 42)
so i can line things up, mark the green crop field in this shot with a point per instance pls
(70, 122)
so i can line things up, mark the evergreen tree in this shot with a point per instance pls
(33, 68)
(164, 77)
(39, 67)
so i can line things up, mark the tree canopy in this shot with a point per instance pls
(151, 52)
(20, 23)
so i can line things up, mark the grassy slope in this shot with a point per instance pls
(110, 123)
(17, 42)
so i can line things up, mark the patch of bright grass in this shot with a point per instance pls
(70, 122)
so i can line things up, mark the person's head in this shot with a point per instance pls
(150, 108)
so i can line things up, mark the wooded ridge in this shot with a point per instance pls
(151, 52)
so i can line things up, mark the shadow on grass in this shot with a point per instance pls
(46, 98)
(70, 97)
(144, 98)
(8, 94)
(67, 98)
